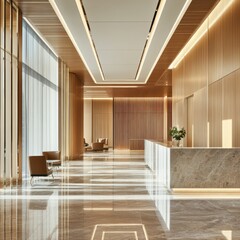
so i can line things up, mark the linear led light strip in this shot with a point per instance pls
(80, 9)
(218, 11)
(154, 27)
(111, 87)
(185, 7)
(57, 11)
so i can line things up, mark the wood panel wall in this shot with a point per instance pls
(137, 118)
(211, 73)
(102, 120)
(75, 117)
(87, 125)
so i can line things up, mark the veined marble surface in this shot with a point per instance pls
(186, 168)
(205, 168)
(113, 196)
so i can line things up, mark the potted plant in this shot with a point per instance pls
(177, 134)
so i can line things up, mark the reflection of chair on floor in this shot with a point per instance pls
(38, 167)
(53, 158)
(97, 146)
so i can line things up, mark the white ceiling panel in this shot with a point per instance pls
(119, 35)
(120, 10)
(120, 71)
(119, 56)
(119, 29)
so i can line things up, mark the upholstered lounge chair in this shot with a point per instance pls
(97, 146)
(53, 155)
(38, 167)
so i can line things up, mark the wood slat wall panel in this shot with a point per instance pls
(121, 129)
(137, 119)
(88, 120)
(200, 117)
(236, 33)
(237, 119)
(136, 144)
(75, 118)
(102, 120)
(211, 69)
(215, 52)
(229, 110)
(190, 122)
(215, 114)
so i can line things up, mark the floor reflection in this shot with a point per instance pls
(110, 197)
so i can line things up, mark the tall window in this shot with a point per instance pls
(40, 97)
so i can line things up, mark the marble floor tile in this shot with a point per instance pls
(113, 196)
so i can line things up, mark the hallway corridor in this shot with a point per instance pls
(113, 196)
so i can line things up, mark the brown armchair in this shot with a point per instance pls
(53, 155)
(103, 140)
(97, 146)
(38, 167)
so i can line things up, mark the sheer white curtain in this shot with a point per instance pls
(40, 97)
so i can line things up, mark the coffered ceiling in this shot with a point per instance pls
(104, 27)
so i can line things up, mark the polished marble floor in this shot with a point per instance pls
(113, 196)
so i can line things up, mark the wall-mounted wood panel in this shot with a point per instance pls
(215, 52)
(75, 117)
(237, 119)
(200, 106)
(136, 144)
(210, 73)
(229, 111)
(236, 33)
(102, 120)
(215, 114)
(137, 118)
(190, 122)
(88, 120)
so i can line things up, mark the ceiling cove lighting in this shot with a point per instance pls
(184, 9)
(150, 35)
(80, 9)
(57, 11)
(98, 98)
(218, 11)
(85, 87)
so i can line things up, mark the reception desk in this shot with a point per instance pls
(193, 168)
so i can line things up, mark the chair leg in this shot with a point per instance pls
(52, 176)
(31, 181)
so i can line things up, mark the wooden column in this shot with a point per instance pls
(75, 118)
(19, 96)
